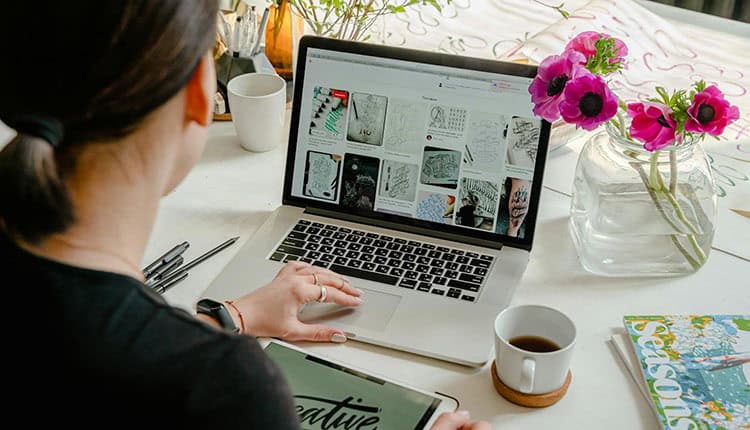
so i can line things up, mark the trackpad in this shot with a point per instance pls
(374, 313)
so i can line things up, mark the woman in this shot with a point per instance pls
(111, 102)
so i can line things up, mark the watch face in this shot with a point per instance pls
(208, 305)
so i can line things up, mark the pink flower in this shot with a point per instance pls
(588, 102)
(710, 112)
(585, 43)
(652, 124)
(547, 88)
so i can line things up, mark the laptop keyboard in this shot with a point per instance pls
(419, 266)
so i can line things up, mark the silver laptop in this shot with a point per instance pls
(415, 174)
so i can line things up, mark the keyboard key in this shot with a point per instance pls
(483, 257)
(452, 266)
(462, 259)
(466, 269)
(395, 254)
(339, 235)
(397, 272)
(341, 244)
(322, 264)
(394, 262)
(471, 278)
(299, 227)
(472, 255)
(339, 252)
(408, 265)
(318, 225)
(327, 258)
(406, 249)
(438, 292)
(414, 243)
(454, 292)
(408, 283)
(409, 257)
(291, 250)
(341, 260)
(434, 254)
(366, 257)
(354, 263)
(421, 251)
(448, 257)
(386, 238)
(277, 256)
(345, 230)
(479, 271)
(424, 286)
(467, 298)
(440, 281)
(314, 239)
(421, 268)
(358, 232)
(437, 271)
(326, 233)
(331, 227)
(303, 222)
(425, 277)
(296, 235)
(354, 246)
(363, 274)
(457, 252)
(423, 260)
(382, 252)
(393, 246)
(372, 235)
(400, 241)
(327, 241)
(484, 264)
(463, 285)
(352, 254)
(381, 260)
(379, 243)
(368, 249)
(428, 246)
(383, 269)
(369, 266)
(294, 242)
(365, 241)
(352, 238)
(306, 260)
(410, 274)
(325, 249)
(313, 230)
(314, 255)
(451, 274)
(443, 249)
(312, 246)
(437, 263)
(290, 258)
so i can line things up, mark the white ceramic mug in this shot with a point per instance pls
(533, 372)
(257, 102)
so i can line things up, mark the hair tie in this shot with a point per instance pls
(42, 126)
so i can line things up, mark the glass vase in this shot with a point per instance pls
(283, 30)
(638, 213)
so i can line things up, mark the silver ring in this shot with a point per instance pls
(323, 294)
(315, 278)
(343, 284)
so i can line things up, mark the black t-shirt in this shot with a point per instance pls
(98, 348)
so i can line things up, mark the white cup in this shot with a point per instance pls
(257, 102)
(533, 372)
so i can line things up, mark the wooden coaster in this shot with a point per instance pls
(529, 400)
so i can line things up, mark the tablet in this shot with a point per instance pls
(331, 395)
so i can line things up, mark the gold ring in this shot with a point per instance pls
(323, 294)
(343, 284)
(315, 278)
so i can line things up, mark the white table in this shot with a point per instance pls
(231, 191)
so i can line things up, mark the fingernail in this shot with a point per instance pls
(358, 300)
(338, 338)
(360, 291)
(464, 413)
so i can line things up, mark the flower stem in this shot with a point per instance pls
(673, 173)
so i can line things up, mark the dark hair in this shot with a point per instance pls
(98, 68)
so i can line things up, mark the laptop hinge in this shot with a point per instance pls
(405, 228)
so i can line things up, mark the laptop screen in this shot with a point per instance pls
(451, 149)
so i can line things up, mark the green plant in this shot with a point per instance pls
(351, 19)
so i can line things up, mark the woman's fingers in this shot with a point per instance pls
(308, 291)
(331, 279)
(316, 333)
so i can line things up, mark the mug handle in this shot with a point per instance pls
(528, 370)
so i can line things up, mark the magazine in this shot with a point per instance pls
(693, 368)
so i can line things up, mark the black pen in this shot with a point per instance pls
(162, 271)
(195, 262)
(161, 287)
(166, 258)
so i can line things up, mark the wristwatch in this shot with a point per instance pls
(219, 312)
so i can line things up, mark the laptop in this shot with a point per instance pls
(415, 174)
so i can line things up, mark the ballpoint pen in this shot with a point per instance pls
(161, 287)
(164, 270)
(165, 259)
(261, 32)
(179, 272)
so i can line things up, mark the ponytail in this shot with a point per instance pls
(34, 200)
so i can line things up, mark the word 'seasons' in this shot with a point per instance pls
(341, 415)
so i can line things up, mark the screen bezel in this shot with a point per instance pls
(444, 403)
(412, 225)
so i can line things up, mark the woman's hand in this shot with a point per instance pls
(459, 421)
(272, 310)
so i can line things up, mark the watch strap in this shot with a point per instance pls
(219, 312)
